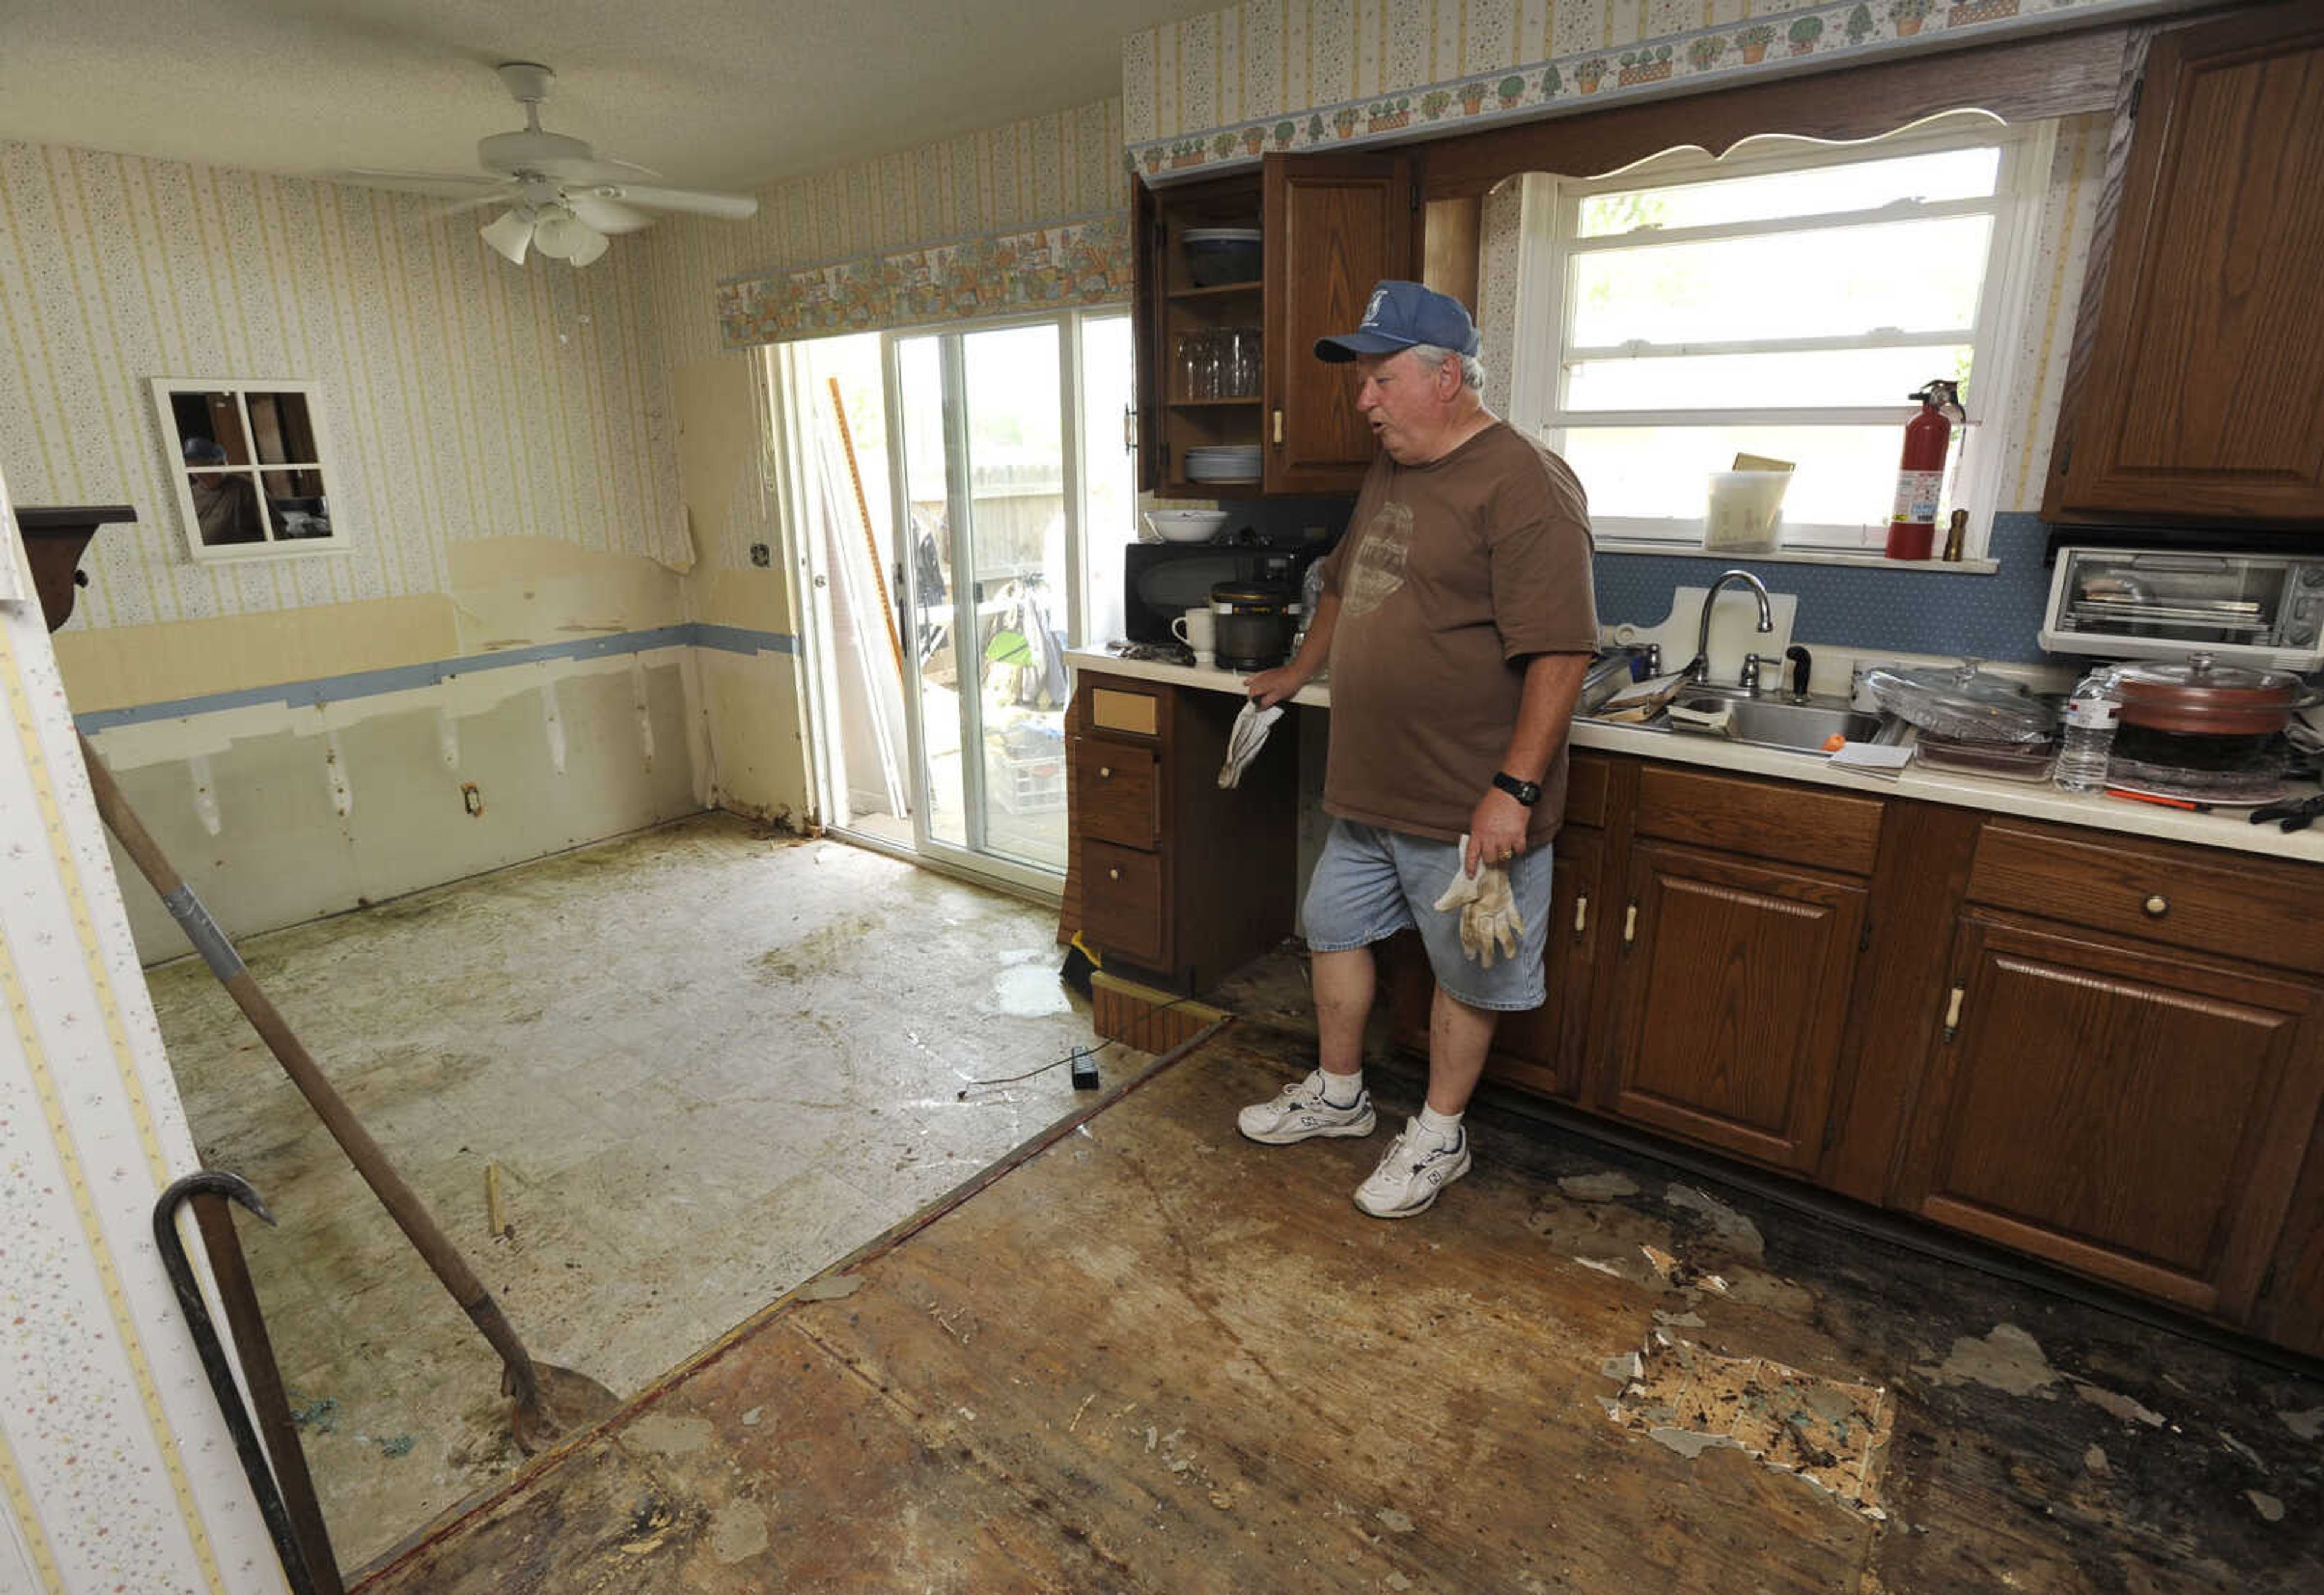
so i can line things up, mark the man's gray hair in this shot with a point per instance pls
(1433, 356)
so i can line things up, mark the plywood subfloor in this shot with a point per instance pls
(706, 1061)
(1156, 1358)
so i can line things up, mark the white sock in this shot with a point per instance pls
(1341, 1090)
(1445, 1127)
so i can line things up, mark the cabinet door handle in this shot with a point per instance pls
(1630, 924)
(1113, 875)
(2157, 905)
(1130, 429)
(1580, 917)
(1952, 1012)
(1105, 772)
(1279, 428)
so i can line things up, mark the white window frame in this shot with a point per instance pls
(1550, 210)
(275, 546)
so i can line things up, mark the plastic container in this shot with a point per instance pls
(1216, 256)
(2008, 761)
(1961, 704)
(1745, 512)
(2087, 741)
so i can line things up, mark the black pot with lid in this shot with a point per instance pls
(1255, 624)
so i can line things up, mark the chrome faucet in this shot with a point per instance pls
(1698, 668)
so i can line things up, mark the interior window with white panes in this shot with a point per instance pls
(252, 465)
(1781, 303)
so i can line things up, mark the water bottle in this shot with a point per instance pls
(2089, 736)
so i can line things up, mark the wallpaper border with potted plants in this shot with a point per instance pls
(1080, 261)
(1222, 89)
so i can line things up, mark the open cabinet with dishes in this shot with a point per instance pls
(1237, 277)
(1201, 297)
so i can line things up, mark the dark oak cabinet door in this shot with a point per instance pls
(2131, 1115)
(1546, 1048)
(2203, 394)
(1731, 999)
(1335, 225)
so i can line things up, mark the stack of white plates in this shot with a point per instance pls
(1234, 462)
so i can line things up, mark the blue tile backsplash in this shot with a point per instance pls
(1986, 617)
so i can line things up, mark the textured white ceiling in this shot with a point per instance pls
(712, 93)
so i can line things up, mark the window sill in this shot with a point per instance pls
(1842, 556)
(286, 548)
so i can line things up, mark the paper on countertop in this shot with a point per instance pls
(1872, 758)
(14, 588)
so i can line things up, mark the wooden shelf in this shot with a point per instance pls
(1213, 403)
(1223, 290)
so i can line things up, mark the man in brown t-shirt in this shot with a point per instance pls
(1458, 620)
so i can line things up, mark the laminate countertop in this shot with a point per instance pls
(2227, 828)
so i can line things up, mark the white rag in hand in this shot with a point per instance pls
(1489, 920)
(1247, 737)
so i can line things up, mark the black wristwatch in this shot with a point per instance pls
(1525, 792)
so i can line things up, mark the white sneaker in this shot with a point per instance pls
(1414, 1168)
(1301, 1112)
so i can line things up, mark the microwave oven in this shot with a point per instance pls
(1162, 581)
(2260, 610)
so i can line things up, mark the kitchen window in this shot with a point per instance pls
(1780, 301)
(252, 466)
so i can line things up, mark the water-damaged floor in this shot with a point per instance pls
(1155, 1359)
(704, 1062)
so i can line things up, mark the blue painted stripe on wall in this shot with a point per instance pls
(1987, 617)
(738, 639)
(361, 684)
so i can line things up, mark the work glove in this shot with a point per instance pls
(1490, 921)
(1247, 737)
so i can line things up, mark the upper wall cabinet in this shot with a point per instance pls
(2199, 392)
(1225, 363)
(1335, 226)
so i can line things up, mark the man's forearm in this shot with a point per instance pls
(1553, 686)
(1317, 647)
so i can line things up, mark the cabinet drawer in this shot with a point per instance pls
(2168, 895)
(1114, 708)
(1114, 793)
(1798, 824)
(1587, 779)
(1121, 903)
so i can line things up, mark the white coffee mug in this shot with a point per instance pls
(1198, 629)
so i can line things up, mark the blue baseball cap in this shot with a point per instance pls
(1399, 315)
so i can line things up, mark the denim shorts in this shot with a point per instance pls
(1370, 883)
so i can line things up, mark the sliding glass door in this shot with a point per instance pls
(1003, 483)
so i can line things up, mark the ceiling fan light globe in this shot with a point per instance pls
(558, 235)
(590, 247)
(510, 235)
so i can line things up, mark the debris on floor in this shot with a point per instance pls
(1830, 1432)
(2007, 1359)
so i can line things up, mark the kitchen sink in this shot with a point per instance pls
(1783, 723)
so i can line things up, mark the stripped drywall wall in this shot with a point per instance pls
(505, 469)
(115, 1468)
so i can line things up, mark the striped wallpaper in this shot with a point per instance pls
(1035, 171)
(465, 398)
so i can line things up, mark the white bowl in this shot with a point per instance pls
(1188, 526)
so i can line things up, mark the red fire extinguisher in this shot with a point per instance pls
(1921, 473)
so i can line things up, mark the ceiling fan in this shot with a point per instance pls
(563, 197)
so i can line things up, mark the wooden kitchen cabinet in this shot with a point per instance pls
(1336, 225)
(2197, 390)
(1170, 875)
(1731, 997)
(2134, 1114)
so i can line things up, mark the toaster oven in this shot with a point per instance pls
(2265, 611)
